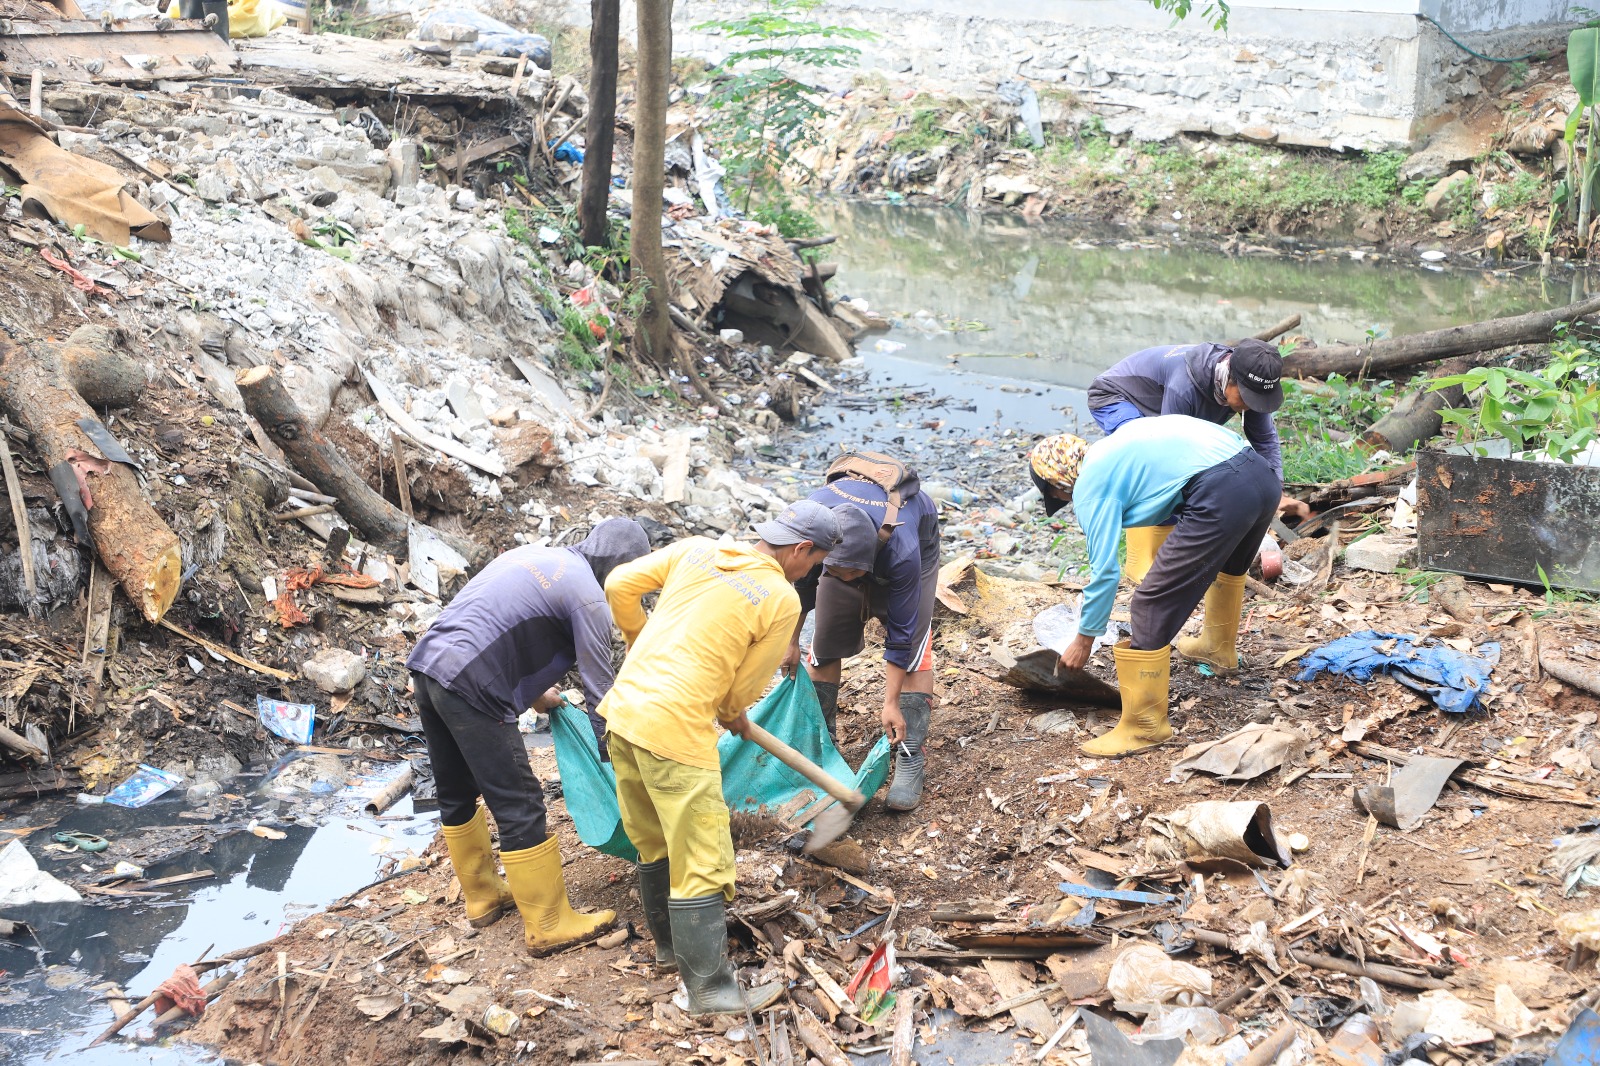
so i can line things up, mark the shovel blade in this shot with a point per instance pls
(829, 826)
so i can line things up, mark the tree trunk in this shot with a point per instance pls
(604, 26)
(649, 150)
(132, 540)
(1349, 360)
(102, 378)
(311, 453)
(1416, 418)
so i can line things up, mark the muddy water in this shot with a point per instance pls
(50, 1009)
(1053, 305)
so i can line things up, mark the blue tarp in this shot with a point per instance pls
(751, 778)
(1455, 679)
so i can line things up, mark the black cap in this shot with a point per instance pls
(1257, 368)
(1051, 504)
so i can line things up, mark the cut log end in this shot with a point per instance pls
(161, 586)
(252, 375)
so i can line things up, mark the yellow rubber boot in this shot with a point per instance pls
(548, 921)
(486, 895)
(1143, 677)
(1218, 643)
(1143, 543)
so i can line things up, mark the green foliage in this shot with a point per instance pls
(1378, 182)
(921, 134)
(1318, 426)
(1517, 193)
(1583, 64)
(762, 113)
(1555, 411)
(1243, 182)
(1415, 192)
(792, 221)
(1215, 12)
(1519, 73)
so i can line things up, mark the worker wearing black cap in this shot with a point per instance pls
(1212, 382)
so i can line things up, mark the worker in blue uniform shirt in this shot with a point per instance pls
(886, 566)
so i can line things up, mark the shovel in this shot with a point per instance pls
(832, 822)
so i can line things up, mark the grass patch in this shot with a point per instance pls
(1318, 427)
(1241, 182)
(922, 134)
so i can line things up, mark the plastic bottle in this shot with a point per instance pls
(951, 494)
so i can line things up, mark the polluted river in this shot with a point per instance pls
(998, 327)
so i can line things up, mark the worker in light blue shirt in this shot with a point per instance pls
(1220, 496)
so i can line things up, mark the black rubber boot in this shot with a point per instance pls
(828, 696)
(700, 940)
(654, 886)
(905, 791)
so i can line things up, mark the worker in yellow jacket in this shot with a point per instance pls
(708, 651)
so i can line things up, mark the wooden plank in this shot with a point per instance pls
(97, 631)
(134, 52)
(1009, 982)
(494, 146)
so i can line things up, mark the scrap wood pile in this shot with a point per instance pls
(250, 337)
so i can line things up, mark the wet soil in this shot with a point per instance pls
(1009, 812)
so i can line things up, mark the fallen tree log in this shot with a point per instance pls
(1348, 359)
(1417, 417)
(316, 457)
(137, 547)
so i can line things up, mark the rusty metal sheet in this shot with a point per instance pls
(1505, 519)
(133, 51)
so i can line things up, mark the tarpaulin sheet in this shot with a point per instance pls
(751, 778)
(1455, 679)
(72, 189)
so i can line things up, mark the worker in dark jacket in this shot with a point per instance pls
(1212, 382)
(499, 648)
(888, 572)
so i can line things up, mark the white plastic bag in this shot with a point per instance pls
(1146, 974)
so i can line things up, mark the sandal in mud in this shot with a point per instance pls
(83, 841)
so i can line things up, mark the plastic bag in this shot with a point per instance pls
(751, 778)
(1146, 974)
(495, 37)
(145, 785)
(1056, 627)
(293, 722)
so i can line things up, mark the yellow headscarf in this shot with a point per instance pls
(1057, 459)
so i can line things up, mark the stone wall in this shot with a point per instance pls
(1316, 74)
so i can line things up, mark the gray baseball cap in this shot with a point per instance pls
(858, 539)
(801, 521)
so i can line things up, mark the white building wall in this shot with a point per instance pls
(1368, 74)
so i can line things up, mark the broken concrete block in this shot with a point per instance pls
(1439, 202)
(528, 444)
(211, 186)
(335, 670)
(1381, 553)
(405, 160)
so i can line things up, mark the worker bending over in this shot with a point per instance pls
(886, 566)
(1207, 381)
(509, 636)
(708, 651)
(1220, 494)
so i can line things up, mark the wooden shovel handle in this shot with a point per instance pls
(805, 767)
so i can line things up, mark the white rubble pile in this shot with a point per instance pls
(418, 285)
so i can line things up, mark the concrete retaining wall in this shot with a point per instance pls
(1306, 72)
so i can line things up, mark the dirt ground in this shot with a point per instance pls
(1010, 812)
